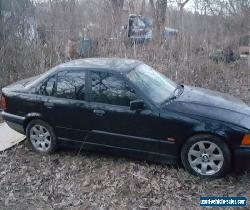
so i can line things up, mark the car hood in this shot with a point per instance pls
(212, 104)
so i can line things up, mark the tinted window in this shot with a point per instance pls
(66, 84)
(48, 88)
(107, 88)
(71, 85)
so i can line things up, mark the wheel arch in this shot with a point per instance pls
(31, 116)
(226, 132)
(230, 134)
(222, 136)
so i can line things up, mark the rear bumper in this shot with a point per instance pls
(14, 121)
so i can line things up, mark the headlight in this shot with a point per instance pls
(246, 139)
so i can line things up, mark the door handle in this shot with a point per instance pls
(49, 105)
(99, 112)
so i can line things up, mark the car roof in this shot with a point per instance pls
(105, 64)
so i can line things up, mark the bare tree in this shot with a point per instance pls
(181, 5)
(117, 6)
(214, 25)
(143, 7)
(159, 13)
(131, 4)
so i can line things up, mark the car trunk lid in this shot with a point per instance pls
(18, 86)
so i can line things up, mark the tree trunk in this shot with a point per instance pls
(131, 6)
(182, 5)
(143, 5)
(117, 6)
(249, 50)
(159, 14)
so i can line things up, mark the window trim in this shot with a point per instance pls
(140, 95)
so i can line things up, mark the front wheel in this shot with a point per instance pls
(206, 156)
(41, 137)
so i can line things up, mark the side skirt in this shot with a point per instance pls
(134, 153)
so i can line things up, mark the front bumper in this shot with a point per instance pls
(243, 153)
(242, 158)
(14, 121)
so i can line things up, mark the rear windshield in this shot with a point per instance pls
(30, 80)
(33, 81)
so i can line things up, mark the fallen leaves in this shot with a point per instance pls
(97, 181)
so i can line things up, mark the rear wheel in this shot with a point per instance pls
(41, 136)
(206, 156)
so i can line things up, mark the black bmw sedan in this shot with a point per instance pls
(126, 107)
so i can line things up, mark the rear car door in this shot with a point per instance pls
(114, 124)
(64, 104)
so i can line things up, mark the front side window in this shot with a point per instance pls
(109, 89)
(152, 83)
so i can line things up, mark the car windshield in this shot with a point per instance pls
(157, 87)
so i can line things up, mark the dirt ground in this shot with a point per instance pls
(73, 180)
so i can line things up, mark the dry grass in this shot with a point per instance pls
(95, 181)
(68, 180)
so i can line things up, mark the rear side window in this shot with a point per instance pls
(71, 85)
(109, 89)
(65, 84)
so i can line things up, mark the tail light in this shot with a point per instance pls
(3, 102)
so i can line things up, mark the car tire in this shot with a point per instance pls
(206, 156)
(41, 137)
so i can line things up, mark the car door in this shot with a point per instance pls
(114, 124)
(64, 104)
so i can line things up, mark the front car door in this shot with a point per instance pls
(114, 124)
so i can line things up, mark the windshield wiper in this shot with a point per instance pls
(176, 93)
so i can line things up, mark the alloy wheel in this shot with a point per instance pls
(40, 138)
(205, 157)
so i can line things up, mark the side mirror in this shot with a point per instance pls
(137, 105)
